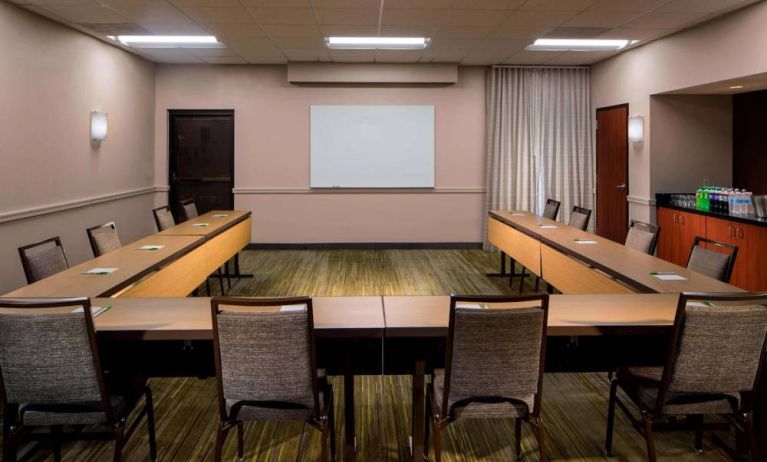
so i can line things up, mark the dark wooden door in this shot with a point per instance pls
(201, 159)
(612, 172)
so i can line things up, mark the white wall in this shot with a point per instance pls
(728, 47)
(51, 78)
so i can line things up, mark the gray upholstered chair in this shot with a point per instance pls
(43, 259)
(551, 210)
(104, 238)
(579, 218)
(266, 367)
(713, 361)
(714, 264)
(642, 237)
(493, 365)
(51, 377)
(163, 218)
(189, 209)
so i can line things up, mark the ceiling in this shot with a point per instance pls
(469, 32)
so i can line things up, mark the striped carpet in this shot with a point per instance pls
(574, 408)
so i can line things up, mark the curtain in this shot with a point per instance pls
(539, 139)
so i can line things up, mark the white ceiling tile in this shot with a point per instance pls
(643, 35)
(152, 13)
(211, 52)
(277, 3)
(353, 56)
(225, 15)
(475, 17)
(530, 19)
(170, 55)
(207, 3)
(263, 60)
(175, 29)
(701, 6)
(224, 60)
(464, 32)
(665, 20)
(413, 16)
(558, 5)
(283, 15)
(418, 3)
(235, 30)
(505, 32)
(531, 57)
(408, 31)
(348, 30)
(486, 4)
(307, 54)
(442, 44)
(442, 56)
(347, 16)
(597, 18)
(485, 57)
(273, 30)
(56, 2)
(630, 6)
(398, 56)
(346, 3)
(299, 42)
(580, 58)
(96, 14)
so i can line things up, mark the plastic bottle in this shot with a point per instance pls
(731, 200)
(749, 203)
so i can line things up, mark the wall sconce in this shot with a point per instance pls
(636, 129)
(98, 126)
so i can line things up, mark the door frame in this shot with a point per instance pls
(596, 163)
(196, 112)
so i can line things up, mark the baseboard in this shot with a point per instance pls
(364, 245)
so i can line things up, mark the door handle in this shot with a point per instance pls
(676, 218)
(681, 219)
(741, 234)
(621, 186)
(730, 231)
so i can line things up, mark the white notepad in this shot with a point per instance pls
(584, 241)
(95, 310)
(220, 215)
(101, 271)
(151, 247)
(285, 308)
(670, 277)
(547, 226)
(471, 306)
(201, 225)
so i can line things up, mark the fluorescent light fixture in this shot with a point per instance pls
(377, 43)
(169, 41)
(636, 129)
(736, 87)
(98, 126)
(552, 44)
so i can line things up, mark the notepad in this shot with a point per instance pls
(584, 241)
(220, 215)
(515, 213)
(286, 308)
(472, 306)
(101, 271)
(95, 310)
(669, 276)
(200, 225)
(151, 247)
(547, 226)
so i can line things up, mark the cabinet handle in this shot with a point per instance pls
(740, 233)
(676, 218)
(681, 219)
(730, 231)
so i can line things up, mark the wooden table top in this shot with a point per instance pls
(132, 264)
(190, 318)
(628, 265)
(215, 223)
(609, 314)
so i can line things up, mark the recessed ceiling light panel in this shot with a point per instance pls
(550, 44)
(377, 43)
(168, 41)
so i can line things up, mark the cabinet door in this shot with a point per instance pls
(667, 235)
(749, 273)
(689, 226)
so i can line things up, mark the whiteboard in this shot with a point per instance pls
(372, 147)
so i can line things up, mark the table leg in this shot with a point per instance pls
(419, 402)
(350, 445)
(237, 274)
(503, 272)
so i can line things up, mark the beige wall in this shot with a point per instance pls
(692, 141)
(725, 48)
(51, 78)
(272, 155)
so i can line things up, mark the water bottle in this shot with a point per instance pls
(749, 203)
(731, 200)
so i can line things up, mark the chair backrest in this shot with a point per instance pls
(551, 210)
(579, 217)
(48, 354)
(163, 218)
(642, 237)
(497, 352)
(712, 263)
(265, 355)
(718, 345)
(42, 259)
(104, 238)
(189, 208)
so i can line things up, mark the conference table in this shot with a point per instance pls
(579, 262)
(172, 263)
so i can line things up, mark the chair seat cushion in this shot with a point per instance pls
(642, 385)
(481, 410)
(251, 413)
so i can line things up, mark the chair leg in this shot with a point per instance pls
(697, 421)
(522, 276)
(56, 435)
(437, 441)
(119, 433)
(427, 429)
(537, 424)
(228, 276)
(324, 446)
(240, 442)
(748, 427)
(537, 283)
(221, 433)
(332, 424)
(517, 438)
(611, 417)
(9, 440)
(149, 406)
(207, 287)
(648, 436)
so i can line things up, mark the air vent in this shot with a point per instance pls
(115, 29)
(577, 32)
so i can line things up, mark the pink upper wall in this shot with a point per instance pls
(728, 47)
(272, 155)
